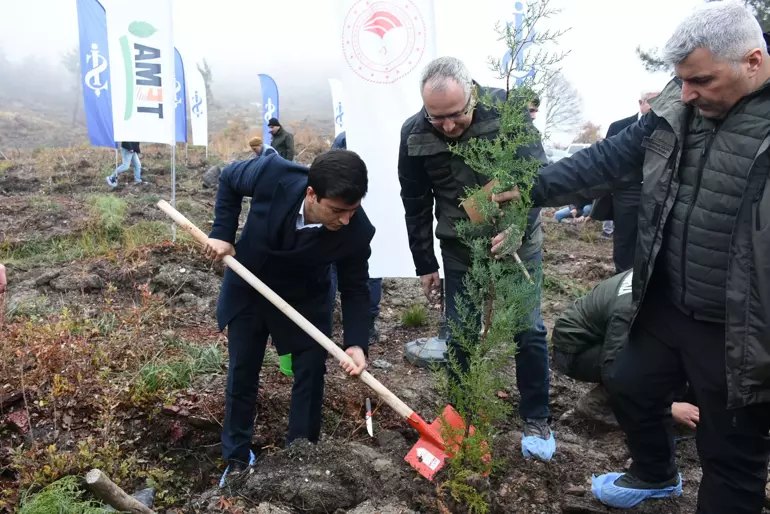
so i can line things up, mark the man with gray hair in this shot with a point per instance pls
(429, 172)
(700, 307)
(622, 206)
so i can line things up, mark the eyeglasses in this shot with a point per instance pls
(438, 120)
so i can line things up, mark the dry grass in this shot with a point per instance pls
(75, 362)
(308, 143)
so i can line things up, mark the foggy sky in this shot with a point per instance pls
(296, 41)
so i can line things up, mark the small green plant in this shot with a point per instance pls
(108, 211)
(415, 316)
(564, 285)
(156, 377)
(43, 203)
(499, 297)
(62, 496)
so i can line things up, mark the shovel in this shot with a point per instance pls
(431, 451)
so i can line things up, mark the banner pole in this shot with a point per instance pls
(173, 188)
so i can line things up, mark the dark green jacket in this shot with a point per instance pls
(283, 142)
(428, 171)
(588, 334)
(651, 151)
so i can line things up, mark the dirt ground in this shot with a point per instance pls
(164, 292)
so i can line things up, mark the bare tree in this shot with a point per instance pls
(589, 133)
(208, 79)
(564, 106)
(71, 61)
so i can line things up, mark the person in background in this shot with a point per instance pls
(432, 176)
(585, 340)
(340, 142)
(534, 108)
(3, 280)
(572, 212)
(130, 153)
(620, 209)
(375, 284)
(261, 148)
(283, 140)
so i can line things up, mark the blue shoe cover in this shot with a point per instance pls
(537, 447)
(252, 460)
(608, 493)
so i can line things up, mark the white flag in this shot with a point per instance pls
(385, 46)
(141, 49)
(196, 99)
(338, 104)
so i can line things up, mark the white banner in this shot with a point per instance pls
(141, 49)
(385, 46)
(196, 99)
(338, 105)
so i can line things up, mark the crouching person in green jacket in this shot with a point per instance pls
(586, 339)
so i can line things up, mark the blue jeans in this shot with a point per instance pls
(532, 367)
(130, 158)
(375, 293)
(565, 213)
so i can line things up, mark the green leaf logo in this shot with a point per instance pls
(141, 29)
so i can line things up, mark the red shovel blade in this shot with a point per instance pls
(430, 452)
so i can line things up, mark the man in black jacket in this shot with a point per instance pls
(283, 140)
(300, 221)
(701, 286)
(429, 172)
(622, 206)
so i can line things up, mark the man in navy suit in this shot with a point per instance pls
(300, 221)
(622, 206)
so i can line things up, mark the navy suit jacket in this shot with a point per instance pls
(276, 187)
(602, 209)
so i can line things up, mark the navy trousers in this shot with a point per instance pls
(247, 336)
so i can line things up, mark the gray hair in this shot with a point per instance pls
(647, 92)
(439, 71)
(727, 28)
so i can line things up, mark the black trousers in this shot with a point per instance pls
(625, 207)
(247, 339)
(666, 348)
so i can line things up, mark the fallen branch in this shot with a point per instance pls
(110, 493)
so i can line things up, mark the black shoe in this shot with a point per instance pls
(629, 481)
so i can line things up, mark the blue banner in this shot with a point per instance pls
(94, 68)
(520, 73)
(269, 103)
(180, 99)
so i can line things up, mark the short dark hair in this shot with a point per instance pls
(535, 102)
(339, 174)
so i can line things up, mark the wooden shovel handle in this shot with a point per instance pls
(383, 392)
